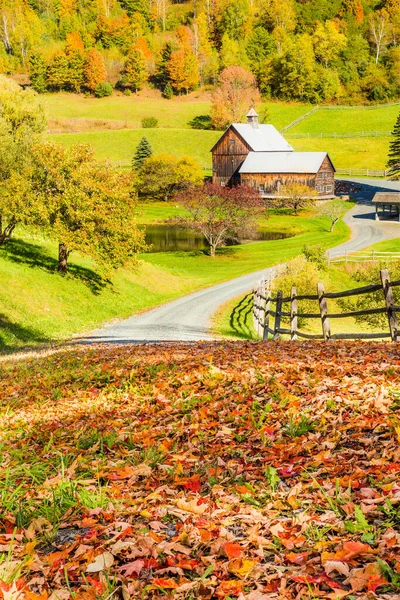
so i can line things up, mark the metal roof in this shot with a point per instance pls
(263, 138)
(283, 162)
(386, 198)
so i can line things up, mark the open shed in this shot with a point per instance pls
(386, 204)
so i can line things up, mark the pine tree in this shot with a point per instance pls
(393, 163)
(143, 151)
(38, 73)
(168, 91)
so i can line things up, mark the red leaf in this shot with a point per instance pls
(134, 567)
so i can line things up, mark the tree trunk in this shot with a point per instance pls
(212, 250)
(333, 223)
(63, 254)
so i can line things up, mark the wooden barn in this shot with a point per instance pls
(259, 156)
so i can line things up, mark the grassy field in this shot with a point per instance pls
(38, 305)
(174, 113)
(229, 470)
(347, 120)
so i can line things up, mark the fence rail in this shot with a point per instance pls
(334, 134)
(363, 172)
(263, 303)
(363, 256)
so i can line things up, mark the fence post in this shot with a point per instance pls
(392, 316)
(278, 315)
(255, 300)
(293, 314)
(261, 319)
(323, 309)
(267, 309)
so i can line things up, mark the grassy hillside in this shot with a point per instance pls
(222, 470)
(38, 305)
(352, 153)
(347, 120)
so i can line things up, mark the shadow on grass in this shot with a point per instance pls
(13, 336)
(32, 255)
(239, 316)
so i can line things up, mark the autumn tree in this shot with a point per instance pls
(94, 70)
(22, 124)
(135, 73)
(236, 92)
(38, 73)
(163, 175)
(220, 213)
(393, 163)
(332, 211)
(58, 72)
(183, 70)
(296, 196)
(72, 199)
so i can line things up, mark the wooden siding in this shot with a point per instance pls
(228, 155)
(271, 183)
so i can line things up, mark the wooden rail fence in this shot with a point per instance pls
(268, 310)
(363, 256)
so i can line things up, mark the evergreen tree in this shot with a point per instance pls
(168, 91)
(393, 163)
(38, 73)
(58, 72)
(135, 71)
(143, 151)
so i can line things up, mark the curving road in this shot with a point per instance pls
(188, 317)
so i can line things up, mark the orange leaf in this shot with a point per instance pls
(233, 550)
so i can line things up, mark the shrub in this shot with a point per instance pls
(305, 276)
(127, 92)
(316, 255)
(103, 89)
(168, 91)
(201, 122)
(149, 122)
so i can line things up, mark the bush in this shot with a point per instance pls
(149, 123)
(103, 89)
(168, 92)
(201, 122)
(127, 92)
(305, 276)
(316, 255)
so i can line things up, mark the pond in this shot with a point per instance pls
(168, 238)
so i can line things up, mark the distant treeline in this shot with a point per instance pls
(317, 50)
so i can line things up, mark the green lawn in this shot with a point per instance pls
(361, 153)
(119, 146)
(37, 305)
(347, 120)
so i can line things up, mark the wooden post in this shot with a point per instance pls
(293, 314)
(255, 300)
(267, 309)
(261, 314)
(323, 309)
(278, 315)
(392, 316)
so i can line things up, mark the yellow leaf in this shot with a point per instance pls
(101, 562)
(191, 506)
(241, 566)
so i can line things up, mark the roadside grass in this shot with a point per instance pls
(38, 306)
(347, 120)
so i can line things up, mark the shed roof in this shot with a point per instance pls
(386, 198)
(283, 162)
(263, 138)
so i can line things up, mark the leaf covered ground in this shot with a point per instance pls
(212, 471)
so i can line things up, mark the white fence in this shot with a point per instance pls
(362, 256)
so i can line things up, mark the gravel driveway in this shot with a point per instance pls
(188, 318)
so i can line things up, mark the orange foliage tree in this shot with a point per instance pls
(237, 90)
(95, 70)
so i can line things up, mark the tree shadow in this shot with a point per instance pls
(33, 256)
(20, 335)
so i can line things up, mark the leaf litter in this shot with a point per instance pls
(213, 470)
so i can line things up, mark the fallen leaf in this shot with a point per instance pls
(101, 562)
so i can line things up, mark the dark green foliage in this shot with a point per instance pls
(103, 89)
(162, 75)
(168, 92)
(38, 73)
(149, 123)
(201, 122)
(393, 163)
(143, 151)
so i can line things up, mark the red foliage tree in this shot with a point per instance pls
(219, 213)
(236, 92)
(95, 70)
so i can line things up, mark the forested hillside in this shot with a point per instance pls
(316, 50)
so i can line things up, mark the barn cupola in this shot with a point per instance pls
(252, 118)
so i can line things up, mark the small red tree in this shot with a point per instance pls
(95, 71)
(219, 213)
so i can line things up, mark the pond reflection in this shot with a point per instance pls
(168, 238)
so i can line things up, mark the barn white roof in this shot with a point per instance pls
(263, 138)
(283, 162)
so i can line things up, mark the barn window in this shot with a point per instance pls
(223, 182)
(261, 187)
(232, 143)
(321, 175)
(328, 188)
(319, 188)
